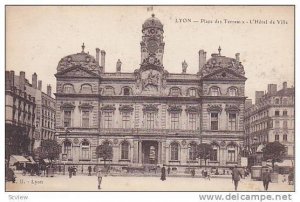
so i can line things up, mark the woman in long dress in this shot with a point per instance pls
(163, 173)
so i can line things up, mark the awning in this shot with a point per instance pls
(260, 148)
(285, 163)
(15, 158)
(31, 159)
(46, 160)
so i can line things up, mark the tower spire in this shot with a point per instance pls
(219, 49)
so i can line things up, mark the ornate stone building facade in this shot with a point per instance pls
(150, 116)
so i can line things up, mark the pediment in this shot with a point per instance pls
(76, 72)
(225, 74)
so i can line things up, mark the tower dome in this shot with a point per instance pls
(83, 59)
(152, 22)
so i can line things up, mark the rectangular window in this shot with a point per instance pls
(85, 119)
(277, 113)
(108, 119)
(276, 137)
(150, 120)
(284, 137)
(174, 120)
(125, 120)
(67, 119)
(214, 155)
(192, 121)
(285, 124)
(284, 113)
(277, 123)
(231, 155)
(85, 155)
(232, 121)
(214, 121)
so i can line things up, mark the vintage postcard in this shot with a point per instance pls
(150, 98)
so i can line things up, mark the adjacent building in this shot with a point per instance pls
(20, 110)
(271, 118)
(150, 116)
(34, 115)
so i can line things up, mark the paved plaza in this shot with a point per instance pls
(149, 183)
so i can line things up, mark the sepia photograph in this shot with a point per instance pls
(150, 98)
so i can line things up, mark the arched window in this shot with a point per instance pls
(68, 150)
(86, 88)
(215, 91)
(175, 91)
(192, 149)
(125, 150)
(109, 90)
(174, 151)
(68, 88)
(85, 150)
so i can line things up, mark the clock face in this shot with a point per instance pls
(152, 46)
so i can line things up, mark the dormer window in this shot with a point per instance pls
(86, 88)
(68, 88)
(214, 91)
(232, 92)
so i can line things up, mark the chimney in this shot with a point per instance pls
(202, 59)
(284, 85)
(103, 60)
(118, 65)
(184, 67)
(248, 103)
(237, 57)
(12, 78)
(22, 80)
(40, 85)
(97, 55)
(272, 89)
(8, 82)
(258, 96)
(49, 90)
(34, 80)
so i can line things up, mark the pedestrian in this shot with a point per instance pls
(169, 170)
(236, 176)
(99, 176)
(193, 172)
(90, 170)
(163, 173)
(266, 177)
(70, 170)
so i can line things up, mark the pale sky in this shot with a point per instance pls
(38, 37)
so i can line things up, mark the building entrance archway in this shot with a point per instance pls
(149, 152)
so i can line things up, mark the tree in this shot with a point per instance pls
(49, 149)
(274, 151)
(104, 151)
(204, 151)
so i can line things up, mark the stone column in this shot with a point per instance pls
(140, 151)
(159, 157)
(165, 153)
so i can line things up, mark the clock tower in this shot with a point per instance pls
(152, 44)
